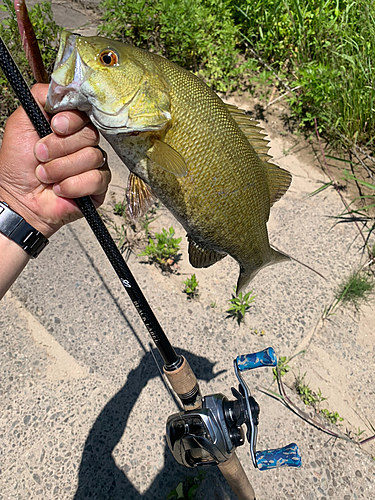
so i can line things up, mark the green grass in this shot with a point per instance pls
(356, 289)
(199, 35)
(327, 48)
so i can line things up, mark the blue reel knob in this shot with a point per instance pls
(282, 457)
(257, 359)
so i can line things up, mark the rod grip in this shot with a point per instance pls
(267, 357)
(236, 477)
(185, 385)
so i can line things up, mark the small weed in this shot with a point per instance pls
(120, 209)
(164, 249)
(308, 396)
(191, 287)
(187, 489)
(355, 290)
(314, 399)
(332, 417)
(146, 224)
(240, 305)
(121, 235)
(355, 435)
(282, 364)
(213, 304)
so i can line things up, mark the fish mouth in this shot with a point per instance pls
(68, 76)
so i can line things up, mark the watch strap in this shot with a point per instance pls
(21, 232)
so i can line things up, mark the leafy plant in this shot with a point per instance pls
(314, 399)
(282, 364)
(164, 249)
(46, 31)
(326, 50)
(308, 396)
(240, 305)
(191, 287)
(120, 209)
(187, 489)
(332, 417)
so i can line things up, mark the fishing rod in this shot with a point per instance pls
(210, 428)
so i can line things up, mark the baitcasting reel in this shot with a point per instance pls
(210, 434)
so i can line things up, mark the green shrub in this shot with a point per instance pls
(327, 48)
(199, 35)
(164, 249)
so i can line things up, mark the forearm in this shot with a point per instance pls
(13, 259)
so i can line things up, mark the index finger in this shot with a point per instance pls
(69, 122)
(65, 122)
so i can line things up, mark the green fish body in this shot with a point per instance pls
(205, 160)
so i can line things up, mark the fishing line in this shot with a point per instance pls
(85, 204)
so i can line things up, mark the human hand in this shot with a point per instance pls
(39, 178)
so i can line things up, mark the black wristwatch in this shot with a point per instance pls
(17, 229)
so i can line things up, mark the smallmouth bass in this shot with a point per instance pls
(205, 160)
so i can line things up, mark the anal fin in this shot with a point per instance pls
(202, 257)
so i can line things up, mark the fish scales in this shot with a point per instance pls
(207, 183)
(205, 160)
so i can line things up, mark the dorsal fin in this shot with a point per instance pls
(278, 179)
(250, 128)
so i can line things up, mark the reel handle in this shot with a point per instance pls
(267, 357)
(288, 456)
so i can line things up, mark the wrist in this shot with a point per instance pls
(26, 213)
(12, 261)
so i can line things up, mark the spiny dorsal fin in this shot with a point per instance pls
(278, 179)
(202, 257)
(251, 130)
(139, 197)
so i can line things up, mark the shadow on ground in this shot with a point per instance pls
(99, 476)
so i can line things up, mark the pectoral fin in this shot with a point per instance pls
(167, 158)
(202, 257)
(139, 197)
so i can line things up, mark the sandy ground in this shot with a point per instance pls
(83, 404)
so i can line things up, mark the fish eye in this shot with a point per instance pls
(108, 57)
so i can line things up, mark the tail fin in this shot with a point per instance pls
(249, 272)
(298, 261)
